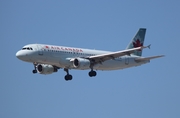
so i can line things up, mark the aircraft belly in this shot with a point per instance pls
(117, 64)
(63, 62)
(110, 65)
(50, 59)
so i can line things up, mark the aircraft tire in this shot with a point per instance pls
(68, 77)
(34, 71)
(92, 73)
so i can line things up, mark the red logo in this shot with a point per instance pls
(46, 46)
(137, 43)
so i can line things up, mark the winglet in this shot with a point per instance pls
(149, 46)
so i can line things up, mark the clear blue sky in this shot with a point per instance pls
(148, 91)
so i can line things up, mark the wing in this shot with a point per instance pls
(103, 57)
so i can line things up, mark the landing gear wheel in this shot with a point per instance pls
(34, 71)
(92, 73)
(68, 77)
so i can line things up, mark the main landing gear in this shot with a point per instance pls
(92, 73)
(68, 76)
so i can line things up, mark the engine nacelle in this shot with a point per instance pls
(81, 63)
(46, 69)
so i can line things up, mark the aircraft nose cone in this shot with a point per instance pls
(19, 55)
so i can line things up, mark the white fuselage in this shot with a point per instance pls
(60, 56)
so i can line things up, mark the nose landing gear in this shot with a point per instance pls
(35, 70)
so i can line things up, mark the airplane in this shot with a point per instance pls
(47, 59)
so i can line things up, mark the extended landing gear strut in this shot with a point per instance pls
(68, 76)
(35, 70)
(92, 73)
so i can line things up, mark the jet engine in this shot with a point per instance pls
(46, 69)
(81, 63)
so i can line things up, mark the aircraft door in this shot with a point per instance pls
(40, 50)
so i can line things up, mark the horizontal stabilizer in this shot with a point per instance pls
(148, 58)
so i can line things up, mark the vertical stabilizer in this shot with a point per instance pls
(137, 41)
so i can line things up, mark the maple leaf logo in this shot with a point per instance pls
(137, 43)
(46, 47)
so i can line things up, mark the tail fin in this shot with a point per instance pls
(137, 41)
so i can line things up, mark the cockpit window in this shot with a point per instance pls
(27, 48)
